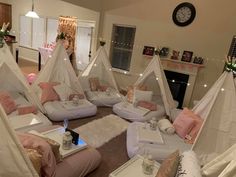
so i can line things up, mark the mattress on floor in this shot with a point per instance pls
(20, 100)
(125, 110)
(78, 164)
(103, 98)
(60, 110)
(158, 151)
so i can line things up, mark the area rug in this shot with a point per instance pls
(98, 132)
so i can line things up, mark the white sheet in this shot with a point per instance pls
(140, 116)
(57, 112)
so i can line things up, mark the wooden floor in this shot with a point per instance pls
(28, 67)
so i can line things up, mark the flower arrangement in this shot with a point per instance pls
(3, 32)
(230, 64)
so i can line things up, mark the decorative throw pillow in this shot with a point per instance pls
(55, 146)
(183, 124)
(36, 159)
(189, 165)
(27, 110)
(48, 93)
(148, 105)
(169, 166)
(140, 95)
(94, 83)
(7, 102)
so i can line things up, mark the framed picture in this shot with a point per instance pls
(175, 55)
(187, 56)
(198, 60)
(149, 51)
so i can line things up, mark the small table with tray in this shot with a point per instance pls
(57, 134)
(133, 168)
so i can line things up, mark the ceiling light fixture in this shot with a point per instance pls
(32, 13)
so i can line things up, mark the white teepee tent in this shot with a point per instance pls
(58, 69)
(154, 77)
(218, 109)
(99, 67)
(15, 162)
(12, 79)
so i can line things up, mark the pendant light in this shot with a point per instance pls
(32, 13)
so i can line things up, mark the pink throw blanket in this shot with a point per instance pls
(148, 105)
(48, 159)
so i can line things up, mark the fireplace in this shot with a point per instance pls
(184, 74)
(178, 84)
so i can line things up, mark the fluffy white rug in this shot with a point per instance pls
(98, 132)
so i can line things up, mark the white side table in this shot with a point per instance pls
(133, 168)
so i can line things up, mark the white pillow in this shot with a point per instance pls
(189, 165)
(140, 95)
(63, 91)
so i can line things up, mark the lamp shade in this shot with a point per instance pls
(32, 14)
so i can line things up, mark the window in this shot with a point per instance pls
(32, 32)
(122, 46)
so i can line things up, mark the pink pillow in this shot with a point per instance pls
(48, 93)
(27, 110)
(183, 125)
(7, 102)
(148, 105)
(198, 121)
(48, 159)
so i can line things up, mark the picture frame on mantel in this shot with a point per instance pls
(187, 56)
(148, 50)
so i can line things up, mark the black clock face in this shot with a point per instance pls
(184, 14)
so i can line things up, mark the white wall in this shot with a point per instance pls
(208, 36)
(52, 9)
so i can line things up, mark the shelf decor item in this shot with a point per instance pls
(198, 60)
(187, 56)
(175, 55)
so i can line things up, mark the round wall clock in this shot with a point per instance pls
(184, 14)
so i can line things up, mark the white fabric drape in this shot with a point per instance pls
(154, 77)
(218, 109)
(14, 161)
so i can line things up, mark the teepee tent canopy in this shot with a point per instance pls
(100, 67)
(15, 162)
(58, 69)
(218, 109)
(12, 79)
(154, 77)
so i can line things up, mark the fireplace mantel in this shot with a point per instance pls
(188, 68)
